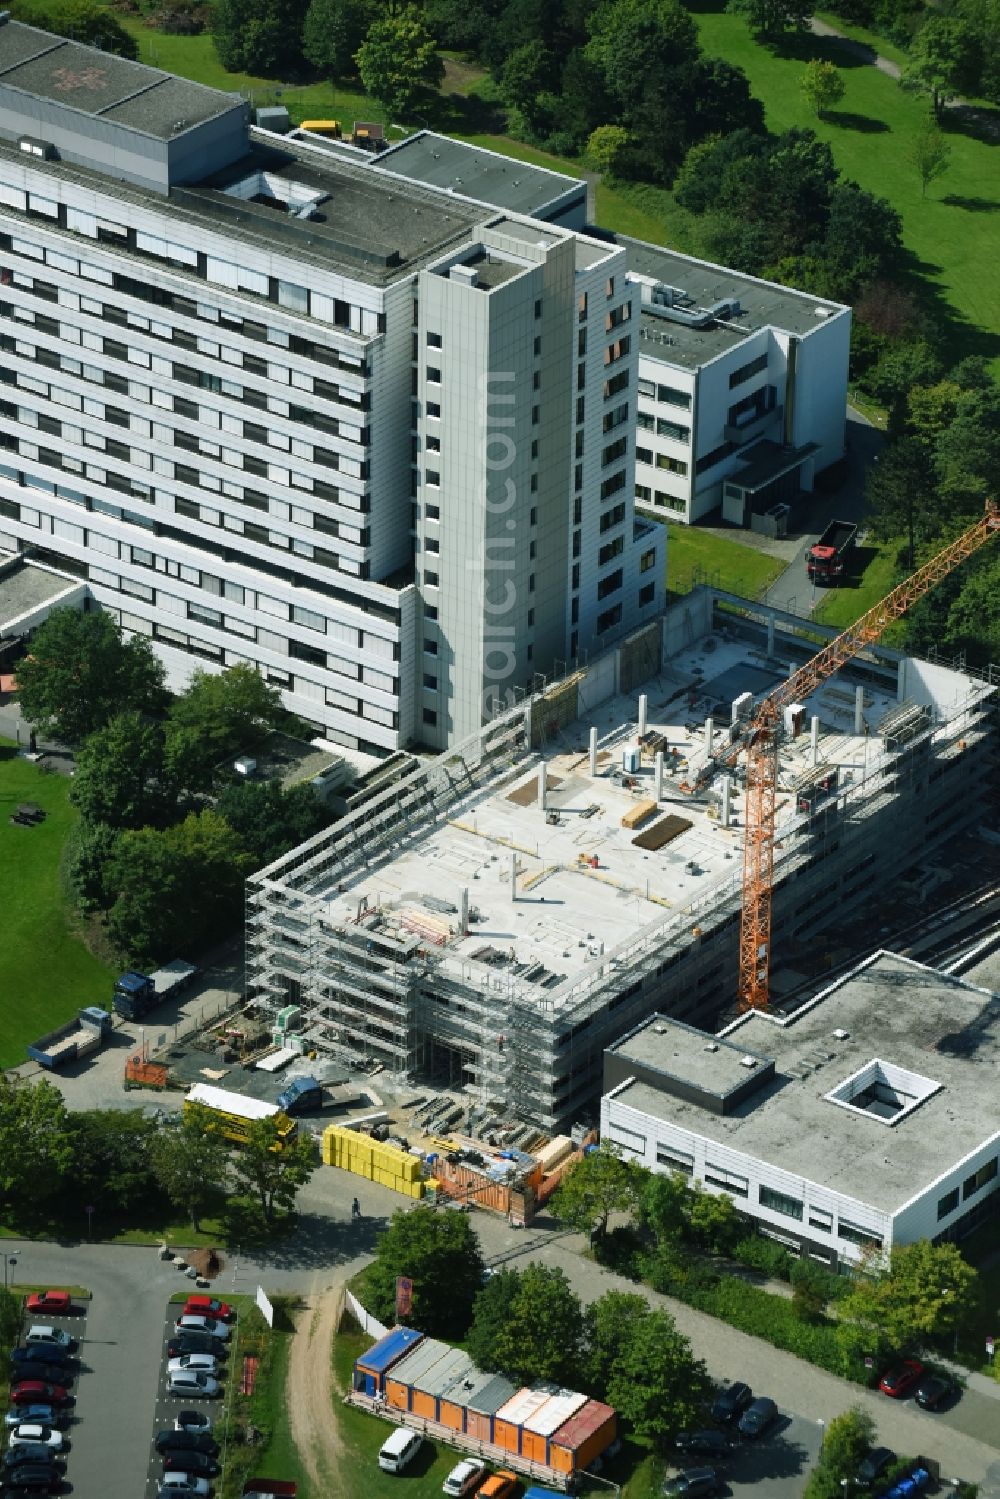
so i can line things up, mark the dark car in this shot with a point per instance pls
(899, 1380)
(187, 1441)
(195, 1342)
(691, 1482)
(733, 1400)
(50, 1355)
(934, 1391)
(192, 1421)
(706, 1443)
(44, 1371)
(191, 1461)
(33, 1478)
(874, 1464)
(757, 1417)
(28, 1454)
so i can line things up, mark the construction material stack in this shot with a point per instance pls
(389, 1165)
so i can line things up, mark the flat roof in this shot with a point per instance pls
(26, 588)
(473, 172)
(762, 304)
(890, 1009)
(97, 83)
(686, 1053)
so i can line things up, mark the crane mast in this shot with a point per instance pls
(762, 738)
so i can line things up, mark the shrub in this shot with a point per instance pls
(764, 1255)
(620, 1250)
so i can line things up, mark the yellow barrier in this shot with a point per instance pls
(388, 1165)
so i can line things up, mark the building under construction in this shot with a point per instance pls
(492, 920)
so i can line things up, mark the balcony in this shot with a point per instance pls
(754, 424)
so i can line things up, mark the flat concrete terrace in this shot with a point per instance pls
(25, 589)
(585, 883)
(935, 1039)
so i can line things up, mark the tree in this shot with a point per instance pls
(862, 240)
(846, 1442)
(112, 1157)
(609, 1327)
(967, 453)
(90, 857)
(259, 36)
(219, 714)
(631, 39)
(901, 495)
(491, 1310)
(769, 18)
(943, 60)
(823, 85)
(664, 1206)
(810, 1290)
(930, 153)
(332, 32)
(925, 1293)
(189, 1161)
(529, 75)
(81, 671)
(656, 1384)
(543, 1334)
(271, 1174)
(36, 1143)
(440, 1253)
(120, 779)
(711, 1220)
(399, 62)
(82, 20)
(268, 820)
(605, 146)
(601, 1183)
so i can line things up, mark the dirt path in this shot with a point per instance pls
(309, 1389)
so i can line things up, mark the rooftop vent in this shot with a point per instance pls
(841, 1035)
(661, 1030)
(712, 1046)
(748, 1062)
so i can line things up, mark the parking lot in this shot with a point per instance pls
(775, 1464)
(167, 1407)
(77, 1379)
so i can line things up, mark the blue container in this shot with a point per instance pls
(372, 1367)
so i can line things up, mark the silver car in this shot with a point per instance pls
(198, 1363)
(203, 1324)
(192, 1385)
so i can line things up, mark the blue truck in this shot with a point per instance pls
(76, 1039)
(138, 993)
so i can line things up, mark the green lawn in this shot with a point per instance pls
(874, 571)
(953, 231)
(46, 973)
(699, 556)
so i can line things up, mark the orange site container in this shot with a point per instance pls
(481, 1395)
(583, 1437)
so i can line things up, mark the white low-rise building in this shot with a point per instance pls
(867, 1119)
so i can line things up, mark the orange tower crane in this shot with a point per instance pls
(762, 735)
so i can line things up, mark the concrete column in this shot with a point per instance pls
(770, 635)
(727, 794)
(814, 739)
(593, 752)
(709, 734)
(859, 710)
(901, 681)
(463, 911)
(541, 787)
(513, 876)
(643, 707)
(658, 775)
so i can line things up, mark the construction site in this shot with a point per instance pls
(493, 920)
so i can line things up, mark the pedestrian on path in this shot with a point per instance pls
(355, 1209)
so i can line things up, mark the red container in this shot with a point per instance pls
(583, 1437)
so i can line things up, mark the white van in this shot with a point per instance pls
(399, 1450)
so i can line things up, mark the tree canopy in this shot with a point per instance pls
(217, 716)
(259, 36)
(440, 1253)
(120, 779)
(36, 1143)
(81, 672)
(768, 18)
(656, 1384)
(846, 1442)
(529, 1325)
(399, 61)
(190, 1158)
(268, 820)
(943, 61)
(83, 20)
(927, 1291)
(273, 1177)
(823, 84)
(332, 32)
(599, 1184)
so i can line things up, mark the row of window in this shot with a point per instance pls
(662, 427)
(662, 461)
(667, 395)
(647, 496)
(971, 1185)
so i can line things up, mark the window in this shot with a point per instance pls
(432, 477)
(430, 681)
(671, 465)
(430, 646)
(821, 1219)
(610, 584)
(947, 1204)
(647, 594)
(779, 1202)
(978, 1179)
(614, 451)
(674, 1160)
(643, 455)
(433, 409)
(612, 517)
(644, 421)
(538, 308)
(430, 580)
(611, 550)
(613, 386)
(729, 1181)
(616, 417)
(629, 1139)
(309, 618)
(617, 350)
(433, 375)
(609, 619)
(647, 560)
(714, 457)
(747, 371)
(611, 486)
(303, 652)
(673, 397)
(865, 1238)
(432, 545)
(430, 717)
(434, 340)
(581, 306)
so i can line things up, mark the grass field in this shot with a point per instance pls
(953, 231)
(46, 973)
(874, 571)
(693, 556)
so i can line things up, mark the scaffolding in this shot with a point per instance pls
(386, 987)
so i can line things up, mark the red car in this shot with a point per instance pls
(54, 1303)
(35, 1392)
(208, 1306)
(900, 1379)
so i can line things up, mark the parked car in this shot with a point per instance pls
(874, 1464)
(35, 1355)
(18, 1457)
(193, 1421)
(34, 1478)
(175, 1485)
(49, 1303)
(899, 1380)
(692, 1482)
(46, 1415)
(43, 1370)
(36, 1432)
(706, 1443)
(195, 1342)
(209, 1306)
(49, 1337)
(463, 1478)
(203, 1324)
(731, 1403)
(203, 1363)
(186, 1441)
(934, 1391)
(190, 1461)
(38, 1392)
(499, 1485)
(188, 1382)
(757, 1417)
